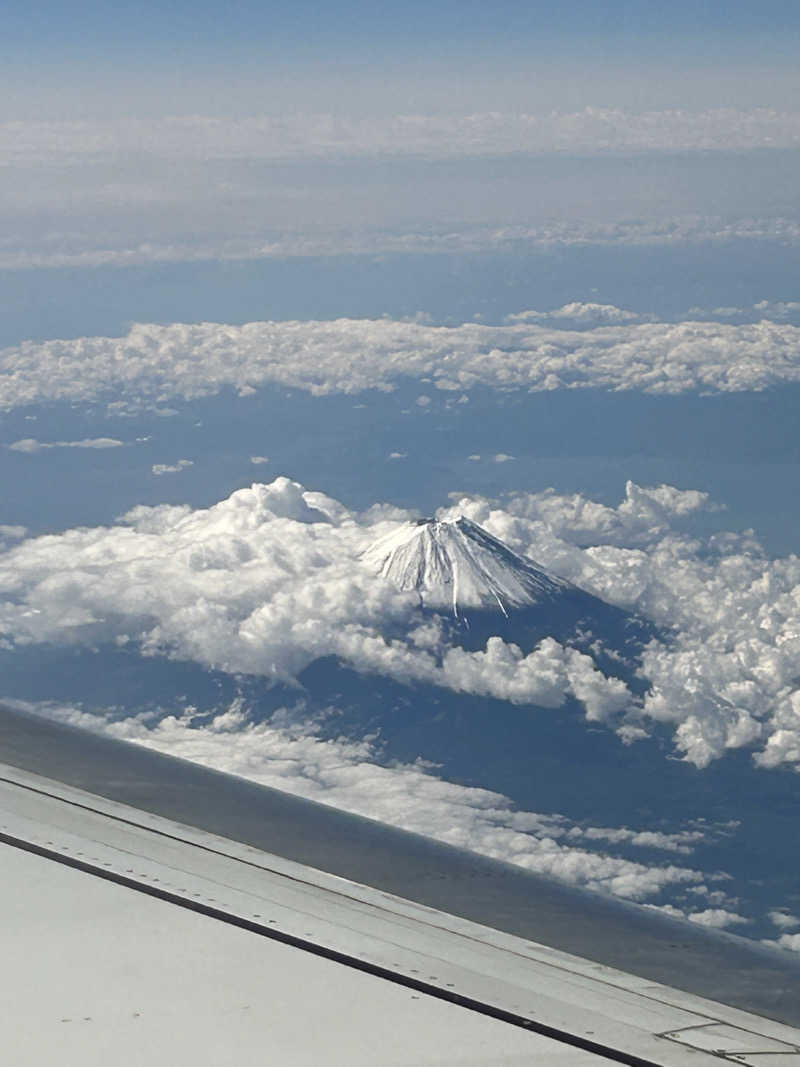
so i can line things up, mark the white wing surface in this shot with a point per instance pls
(135, 938)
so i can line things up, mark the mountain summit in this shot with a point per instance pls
(461, 566)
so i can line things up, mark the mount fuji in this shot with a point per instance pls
(471, 588)
(479, 588)
(474, 587)
(459, 565)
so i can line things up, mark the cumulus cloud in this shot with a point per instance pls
(12, 533)
(271, 579)
(644, 515)
(543, 677)
(172, 468)
(154, 362)
(683, 842)
(581, 313)
(727, 676)
(31, 445)
(784, 920)
(716, 918)
(345, 775)
(778, 309)
(264, 583)
(773, 310)
(790, 941)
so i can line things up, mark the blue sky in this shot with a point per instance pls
(413, 21)
(247, 57)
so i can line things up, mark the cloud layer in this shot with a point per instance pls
(153, 362)
(271, 579)
(274, 138)
(265, 583)
(83, 245)
(192, 188)
(728, 677)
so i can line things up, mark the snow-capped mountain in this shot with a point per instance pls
(458, 565)
(480, 588)
(481, 597)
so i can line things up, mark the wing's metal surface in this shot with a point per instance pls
(599, 977)
(69, 854)
(96, 974)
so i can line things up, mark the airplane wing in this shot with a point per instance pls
(157, 912)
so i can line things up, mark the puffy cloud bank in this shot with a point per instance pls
(265, 583)
(153, 363)
(728, 678)
(271, 579)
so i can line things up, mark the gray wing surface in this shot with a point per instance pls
(130, 874)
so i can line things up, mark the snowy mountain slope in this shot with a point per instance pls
(461, 566)
(479, 588)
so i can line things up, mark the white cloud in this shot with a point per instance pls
(667, 909)
(266, 582)
(172, 468)
(259, 460)
(778, 309)
(398, 455)
(544, 677)
(84, 248)
(727, 677)
(683, 842)
(271, 579)
(154, 362)
(12, 533)
(581, 314)
(716, 918)
(772, 310)
(201, 139)
(193, 188)
(790, 941)
(784, 920)
(502, 457)
(31, 445)
(644, 515)
(345, 775)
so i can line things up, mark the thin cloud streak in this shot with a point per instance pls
(81, 248)
(320, 136)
